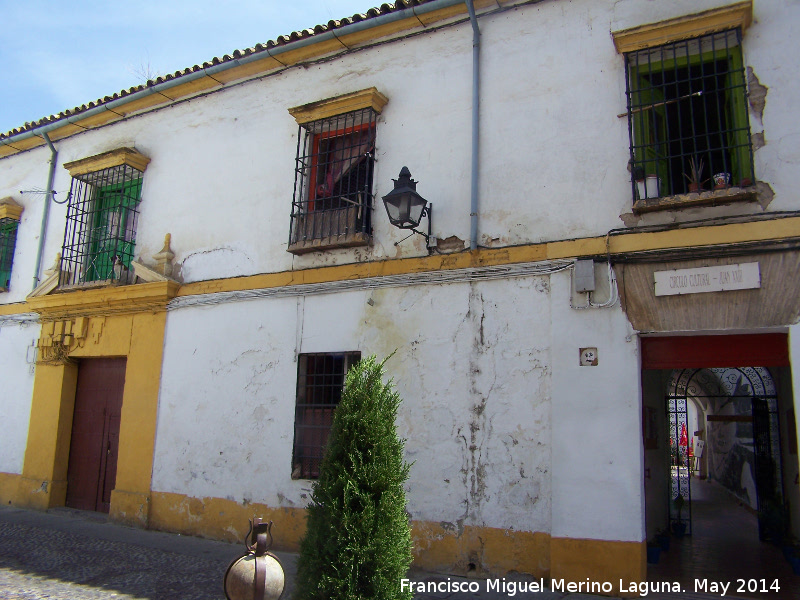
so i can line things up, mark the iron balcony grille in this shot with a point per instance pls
(320, 381)
(8, 241)
(333, 182)
(100, 236)
(687, 116)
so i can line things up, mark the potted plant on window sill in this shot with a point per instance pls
(695, 175)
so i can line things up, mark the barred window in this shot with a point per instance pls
(100, 236)
(8, 241)
(688, 118)
(320, 381)
(332, 202)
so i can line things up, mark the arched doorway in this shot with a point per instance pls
(719, 435)
(733, 438)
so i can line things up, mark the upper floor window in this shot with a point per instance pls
(320, 382)
(332, 204)
(103, 209)
(10, 213)
(687, 102)
(688, 119)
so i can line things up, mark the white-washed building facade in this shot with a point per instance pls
(535, 412)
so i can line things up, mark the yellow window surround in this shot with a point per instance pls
(106, 160)
(331, 107)
(9, 209)
(732, 16)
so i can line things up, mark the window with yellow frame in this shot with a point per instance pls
(687, 116)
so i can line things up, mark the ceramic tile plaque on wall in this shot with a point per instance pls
(720, 278)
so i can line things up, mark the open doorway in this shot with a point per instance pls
(723, 427)
(720, 465)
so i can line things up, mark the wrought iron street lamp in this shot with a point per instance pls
(406, 207)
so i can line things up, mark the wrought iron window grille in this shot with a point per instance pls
(332, 203)
(688, 120)
(100, 235)
(320, 382)
(8, 242)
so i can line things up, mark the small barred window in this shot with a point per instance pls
(320, 382)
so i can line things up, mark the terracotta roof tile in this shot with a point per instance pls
(281, 40)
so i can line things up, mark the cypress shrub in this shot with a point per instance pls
(358, 539)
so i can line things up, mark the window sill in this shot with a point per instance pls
(89, 285)
(343, 226)
(349, 240)
(694, 199)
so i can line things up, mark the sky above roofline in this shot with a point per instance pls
(57, 55)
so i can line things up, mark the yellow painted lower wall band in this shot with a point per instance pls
(9, 484)
(130, 508)
(483, 551)
(579, 560)
(476, 550)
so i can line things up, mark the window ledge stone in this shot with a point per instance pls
(694, 199)
(350, 240)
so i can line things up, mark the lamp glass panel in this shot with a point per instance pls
(417, 205)
(392, 207)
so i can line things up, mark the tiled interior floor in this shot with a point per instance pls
(724, 547)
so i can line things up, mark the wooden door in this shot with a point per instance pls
(94, 445)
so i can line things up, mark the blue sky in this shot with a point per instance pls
(55, 55)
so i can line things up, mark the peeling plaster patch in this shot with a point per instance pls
(284, 501)
(630, 219)
(758, 140)
(757, 93)
(447, 526)
(764, 193)
(227, 260)
(196, 507)
(451, 244)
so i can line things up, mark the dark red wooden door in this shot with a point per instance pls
(92, 469)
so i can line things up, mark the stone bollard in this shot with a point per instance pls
(257, 574)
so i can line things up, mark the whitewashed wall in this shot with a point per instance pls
(553, 152)
(471, 365)
(17, 387)
(597, 449)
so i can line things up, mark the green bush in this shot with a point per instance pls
(358, 541)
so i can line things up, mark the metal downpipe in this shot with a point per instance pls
(46, 212)
(476, 80)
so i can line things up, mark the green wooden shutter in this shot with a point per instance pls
(8, 241)
(111, 239)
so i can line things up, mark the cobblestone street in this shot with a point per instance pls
(75, 555)
(63, 554)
